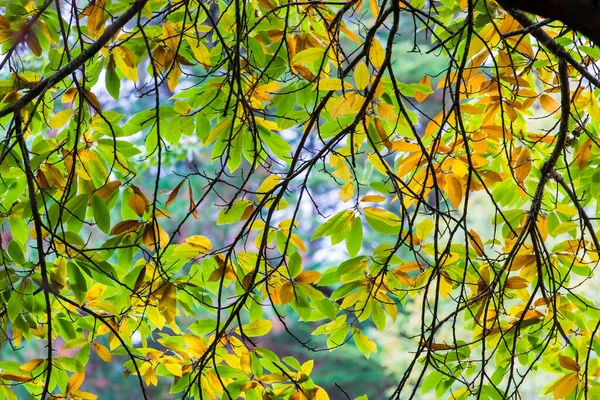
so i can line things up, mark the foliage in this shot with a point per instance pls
(273, 94)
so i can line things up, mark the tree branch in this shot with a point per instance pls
(581, 15)
(78, 61)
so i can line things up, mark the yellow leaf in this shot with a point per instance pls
(199, 241)
(454, 189)
(548, 103)
(332, 84)
(583, 154)
(308, 277)
(387, 111)
(347, 191)
(174, 76)
(564, 386)
(31, 365)
(376, 53)
(286, 293)
(374, 8)
(167, 304)
(568, 363)
(374, 198)
(125, 61)
(424, 229)
(95, 21)
(309, 55)
(102, 352)
(137, 204)
(385, 216)
(201, 52)
(378, 163)
(267, 185)
(366, 341)
(60, 118)
(362, 77)
(150, 377)
(170, 36)
(422, 96)
(297, 242)
(75, 381)
(256, 328)
(152, 236)
(445, 286)
(321, 394)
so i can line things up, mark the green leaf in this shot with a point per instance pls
(112, 81)
(101, 214)
(256, 328)
(234, 213)
(77, 282)
(355, 238)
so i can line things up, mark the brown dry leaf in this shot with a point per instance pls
(92, 100)
(568, 363)
(516, 282)
(125, 226)
(137, 204)
(34, 44)
(174, 194)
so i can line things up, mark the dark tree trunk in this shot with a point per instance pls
(580, 15)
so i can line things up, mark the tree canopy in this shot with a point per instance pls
(169, 169)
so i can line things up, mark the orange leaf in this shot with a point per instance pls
(548, 103)
(102, 352)
(422, 96)
(476, 242)
(583, 154)
(308, 276)
(523, 165)
(106, 191)
(75, 381)
(286, 293)
(454, 189)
